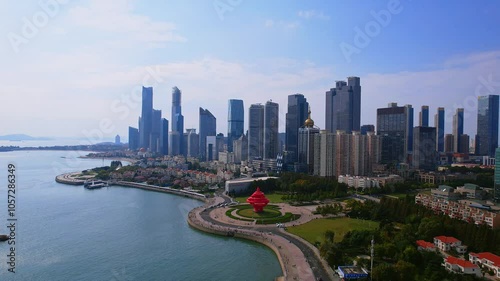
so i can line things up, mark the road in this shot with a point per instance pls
(319, 272)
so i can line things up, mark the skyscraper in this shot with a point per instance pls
(365, 129)
(235, 122)
(146, 120)
(215, 144)
(424, 116)
(424, 152)
(192, 140)
(271, 125)
(295, 117)
(208, 127)
(164, 137)
(154, 139)
(255, 131)
(458, 129)
(496, 195)
(343, 106)
(177, 122)
(439, 124)
(133, 138)
(306, 144)
(240, 149)
(394, 124)
(487, 125)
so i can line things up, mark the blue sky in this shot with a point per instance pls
(78, 73)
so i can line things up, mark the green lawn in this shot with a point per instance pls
(314, 230)
(273, 198)
(267, 213)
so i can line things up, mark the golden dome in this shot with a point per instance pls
(309, 123)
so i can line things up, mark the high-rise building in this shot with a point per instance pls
(177, 122)
(235, 122)
(365, 129)
(424, 150)
(271, 125)
(496, 195)
(215, 144)
(164, 137)
(306, 144)
(487, 125)
(256, 131)
(208, 127)
(240, 149)
(424, 116)
(458, 129)
(173, 143)
(154, 139)
(146, 120)
(439, 124)
(117, 139)
(449, 143)
(394, 124)
(295, 117)
(192, 140)
(133, 138)
(343, 106)
(464, 144)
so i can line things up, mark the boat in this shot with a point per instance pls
(95, 184)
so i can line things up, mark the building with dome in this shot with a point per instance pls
(306, 144)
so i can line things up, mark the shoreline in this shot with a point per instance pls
(130, 161)
(278, 246)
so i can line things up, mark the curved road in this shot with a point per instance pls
(319, 272)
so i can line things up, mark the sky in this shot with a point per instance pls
(75, 68)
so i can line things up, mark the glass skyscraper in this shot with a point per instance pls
(458, 130)
(271, 125)
(439, 124)
(395, 127)
(343, 106)
(146, 120)
(487, 125)
(295, 117)
(424, 116)
(496, 195)
(207, 127)
(235, 122)
(255, 131)
(177, 123)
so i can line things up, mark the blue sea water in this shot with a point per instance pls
(69, 233)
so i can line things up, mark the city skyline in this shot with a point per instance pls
(102, 76)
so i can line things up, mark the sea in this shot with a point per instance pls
(65, 232)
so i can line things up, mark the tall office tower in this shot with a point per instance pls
(271, 125)
(295, 117)
(133, 138)
(458, 128)
(487, 125)
(154, 139)
(240, 149)
(117, 139)
(496, 194)
(306, 144)
(208, 127)
(192, 140)
(424, 152)
(393, 126)
(342, 153)
(256, 131)
(359, 158)
(423, 116)
(235, 122)
(215, 144)
(177, 122)
(173, 143)
(365, 129)
(439, 124)
(343, 106)
(164, 137)
(146, 120)
(464, 144)
(374, 147)
(449, 143)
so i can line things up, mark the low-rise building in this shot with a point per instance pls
(461, 266)
(487, 259)
(445, 192)
(425, 246)
(447, 243)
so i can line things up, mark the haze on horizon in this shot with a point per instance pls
(81, 69)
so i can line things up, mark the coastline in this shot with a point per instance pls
(122, 159)
(292, 269)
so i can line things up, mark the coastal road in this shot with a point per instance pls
(319, 272)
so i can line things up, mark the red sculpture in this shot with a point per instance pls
(258, 200)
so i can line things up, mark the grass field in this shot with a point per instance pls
(267, 213)
(314, 230)
(273, 198)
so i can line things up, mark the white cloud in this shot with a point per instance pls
(313, 14)
(116, 17)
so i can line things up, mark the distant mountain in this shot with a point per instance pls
(21, 137)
